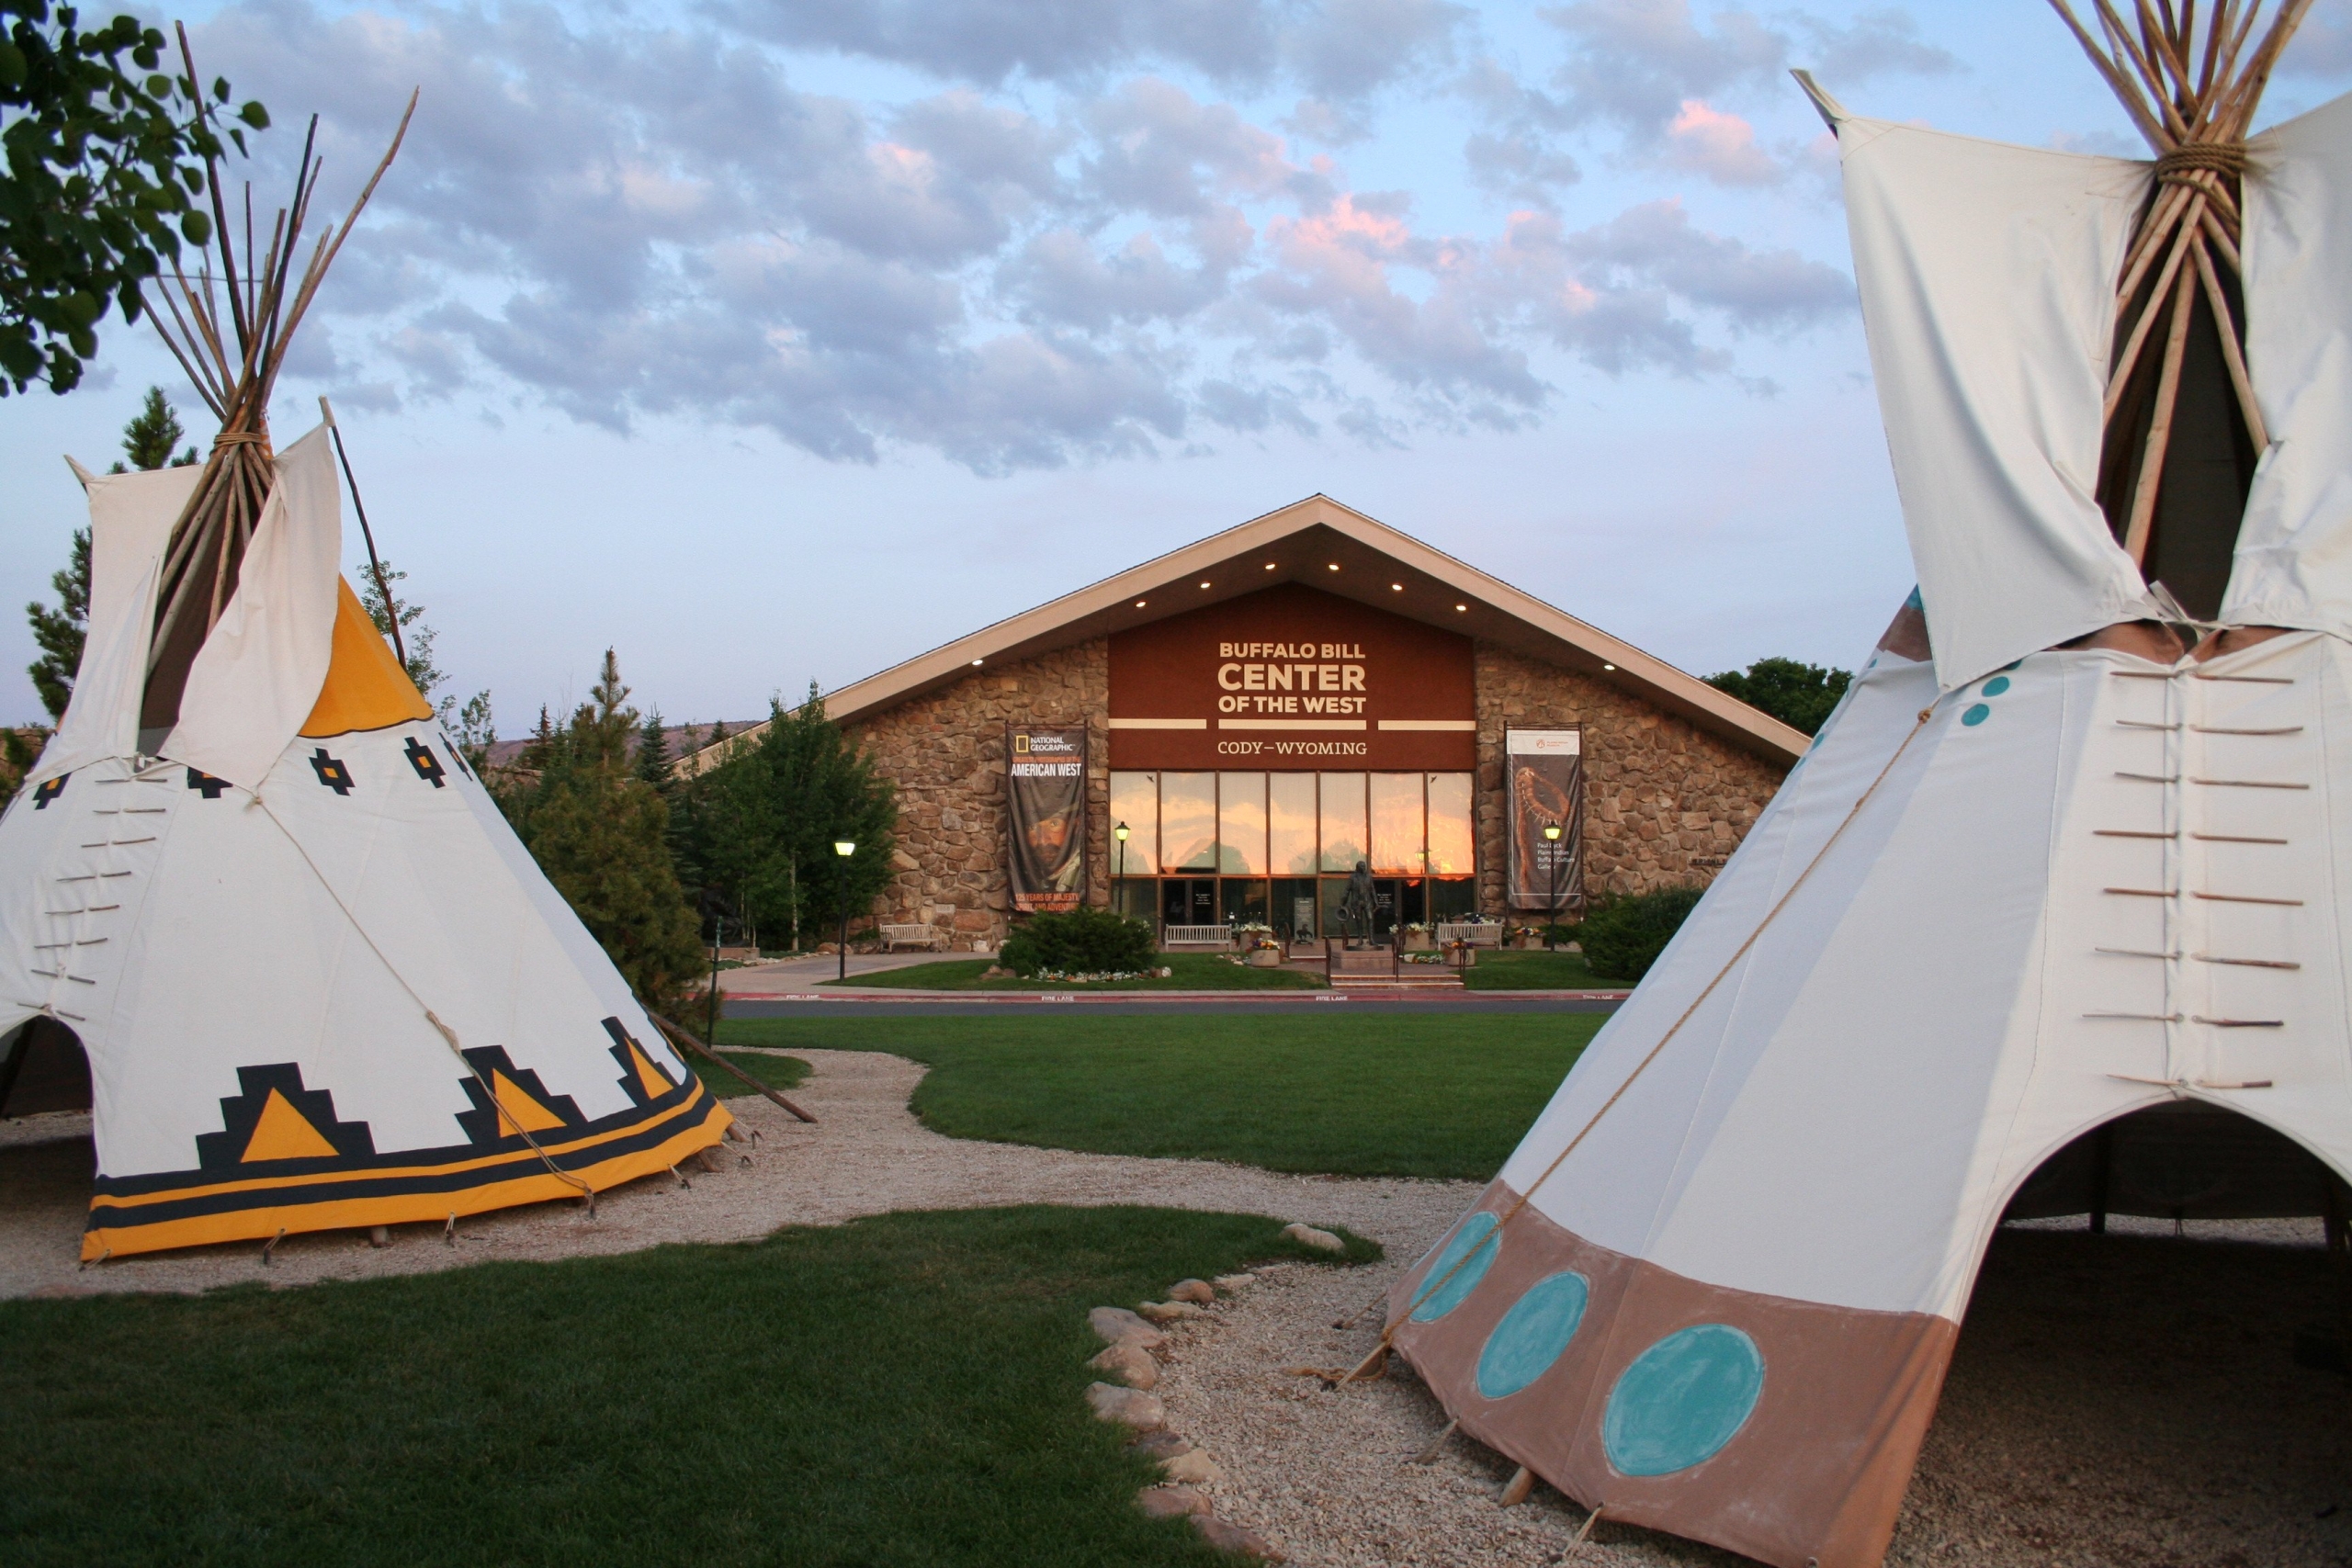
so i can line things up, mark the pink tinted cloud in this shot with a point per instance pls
(1720, 146)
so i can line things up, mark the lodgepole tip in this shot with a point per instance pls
(1830, 110)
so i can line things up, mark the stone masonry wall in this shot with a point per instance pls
(946, 750)
(1665, 801)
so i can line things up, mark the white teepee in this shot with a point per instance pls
(2041, 925)
(320, 982)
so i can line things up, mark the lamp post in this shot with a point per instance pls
(843, 850)
(1119, 880)
(717, 935)
(1552, 842)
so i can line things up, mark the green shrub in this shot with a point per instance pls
(1084, 942)
(1623, 936)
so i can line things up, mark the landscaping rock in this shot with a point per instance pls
(1132, 1364)
(1321, 1241)
(1169, 1312)
(1170, 1502)
(1195, 1468)
(1230, 1283)
(1162, 1445)
(1199, 1291)
(1119, 1326)
(995, 972)
(1127, 1407)
(1234, 1538)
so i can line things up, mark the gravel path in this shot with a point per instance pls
(866, 1155)
(2115, 1402)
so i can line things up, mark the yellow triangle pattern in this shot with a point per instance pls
(284, 1133)
(520, 1107)
(657, 1082)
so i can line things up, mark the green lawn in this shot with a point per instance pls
(1386, 1095)
(777, 1072)
(1190, 972)
(908, 1389)
(1537, 971)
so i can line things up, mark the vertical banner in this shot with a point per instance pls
(1543, 780)
(1045, 800)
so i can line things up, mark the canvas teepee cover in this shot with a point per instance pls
(319, 981)
(2016, 893)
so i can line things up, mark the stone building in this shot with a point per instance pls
(1264, 709)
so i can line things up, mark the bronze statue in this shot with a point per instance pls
(1356, 904)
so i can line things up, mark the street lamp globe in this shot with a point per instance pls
(843, 848)
(1552, 831)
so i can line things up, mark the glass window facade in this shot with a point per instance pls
(1290, 820)
(1273, 849)
(1135, 800)
(1242, 824)
(1187, 821)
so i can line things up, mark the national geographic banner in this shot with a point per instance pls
(1544, 771)
(1044, 795)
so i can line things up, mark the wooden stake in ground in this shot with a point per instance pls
(689, 1042)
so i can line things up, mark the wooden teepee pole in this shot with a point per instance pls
(234, 372)
(2184, 87)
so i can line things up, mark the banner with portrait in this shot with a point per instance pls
(1544, 777)
(1044, 795)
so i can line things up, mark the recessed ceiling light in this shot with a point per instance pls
(1397, 587)
(1609, 667)
(1462, 606)
(1204, 585)
(1334, 566)
(975, 664)
(1139, 603)
(1270, 566)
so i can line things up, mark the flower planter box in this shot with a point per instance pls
(1418, 941)
(1264, 958)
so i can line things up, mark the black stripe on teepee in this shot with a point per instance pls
(415, 1175)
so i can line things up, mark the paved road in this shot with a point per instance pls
(1317, 1001)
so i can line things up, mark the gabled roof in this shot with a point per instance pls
(1302, 543)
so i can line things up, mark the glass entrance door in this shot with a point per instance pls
(1188, 901)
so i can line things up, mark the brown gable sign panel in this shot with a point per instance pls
(1292, 677)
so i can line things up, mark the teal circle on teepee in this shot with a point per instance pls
(1975, 716)
(1682, 1399)
(1996, 685)
(1475, 1240)
(1532, 1334)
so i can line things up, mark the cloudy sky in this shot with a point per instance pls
(773, 341)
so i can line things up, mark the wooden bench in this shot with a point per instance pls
(1196, 936)
(926, 936)
(1477, 934)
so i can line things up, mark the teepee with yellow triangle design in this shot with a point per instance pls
(318, 981)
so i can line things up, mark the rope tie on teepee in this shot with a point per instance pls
(508, 1116)
(1494, 1237)
(2179, 165)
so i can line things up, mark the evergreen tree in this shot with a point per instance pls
(151, 434)
(760, 828)
(415, 640)
(1798, 695)
(147, 441)
(653, 759)
(58, 633)
(602, 836)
